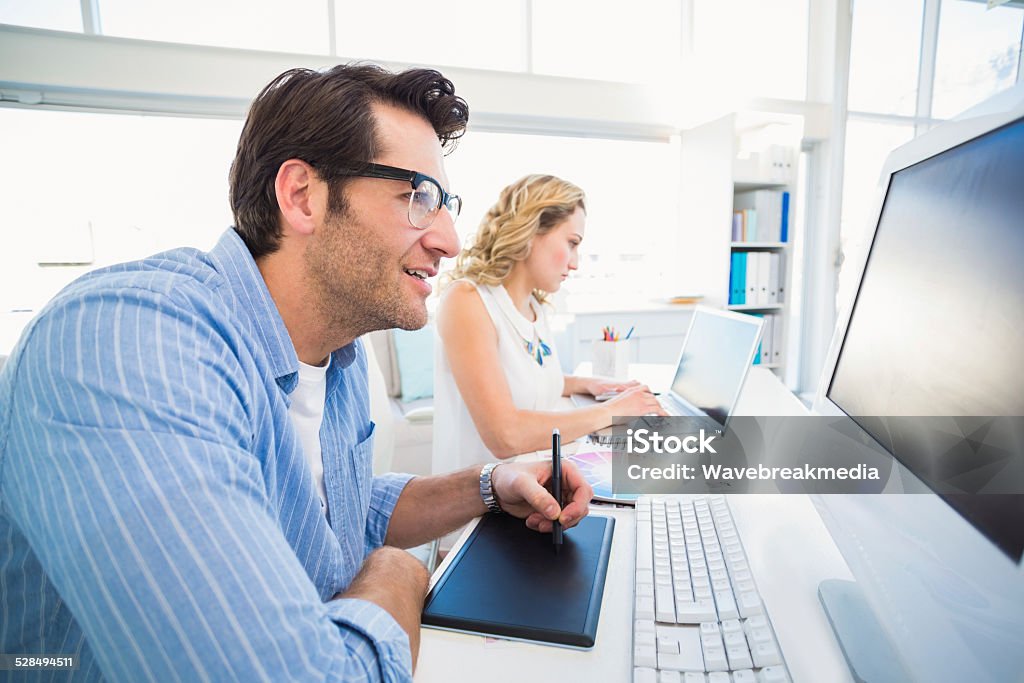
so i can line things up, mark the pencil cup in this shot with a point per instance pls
(611, 359)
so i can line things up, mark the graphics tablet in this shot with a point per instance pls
(507, 581)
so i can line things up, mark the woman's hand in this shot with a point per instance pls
(597, 386)
(634, 402)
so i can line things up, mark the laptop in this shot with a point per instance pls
(717, 353)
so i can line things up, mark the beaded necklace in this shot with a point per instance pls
(536, 347)
(540, 350)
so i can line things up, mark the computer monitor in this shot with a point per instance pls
(937, 329)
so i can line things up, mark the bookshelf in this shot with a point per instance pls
(726, 165)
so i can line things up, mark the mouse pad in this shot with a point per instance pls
(595, 464)
(508, 581)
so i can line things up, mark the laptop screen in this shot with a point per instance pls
(717, 353)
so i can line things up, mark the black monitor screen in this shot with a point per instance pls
(937, 328)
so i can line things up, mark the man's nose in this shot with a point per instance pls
(441, 236)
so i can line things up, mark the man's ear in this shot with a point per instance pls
(301, 197)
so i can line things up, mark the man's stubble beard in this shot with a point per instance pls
(356, 283)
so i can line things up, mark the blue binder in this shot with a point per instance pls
(734, 274)
(784, 228)
(741, 278)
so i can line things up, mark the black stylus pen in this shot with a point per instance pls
(556, 484)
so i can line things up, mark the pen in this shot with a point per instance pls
(556, 484)
(629, 333)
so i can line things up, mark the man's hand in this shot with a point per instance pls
(396, 581)
(521, 493)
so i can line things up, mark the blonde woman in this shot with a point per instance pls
(497, 380)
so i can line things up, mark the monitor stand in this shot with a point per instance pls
(868, 651)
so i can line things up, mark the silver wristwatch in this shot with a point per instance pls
(487, 489)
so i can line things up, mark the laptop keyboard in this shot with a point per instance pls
(671, 407)
(698, 616)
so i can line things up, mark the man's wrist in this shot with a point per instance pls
(488, 492)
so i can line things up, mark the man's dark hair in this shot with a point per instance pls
(325, 119)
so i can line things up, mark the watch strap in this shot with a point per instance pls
(487, 488)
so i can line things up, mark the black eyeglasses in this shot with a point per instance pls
(427, 196)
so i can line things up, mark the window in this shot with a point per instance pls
(754, 47)
(608, 41)
(483, 35)
(868, 143)
(295, 26)
(58, 15)
(977, 55)
(104, 188)
(884, 56)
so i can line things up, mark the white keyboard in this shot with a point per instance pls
(697, 615)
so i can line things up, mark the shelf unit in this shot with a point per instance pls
(718, 160)
(755, 307)
(758, 246)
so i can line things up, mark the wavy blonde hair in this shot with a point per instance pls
(527, 208)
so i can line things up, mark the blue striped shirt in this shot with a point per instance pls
(157, 516)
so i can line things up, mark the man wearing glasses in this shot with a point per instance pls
(185, 441)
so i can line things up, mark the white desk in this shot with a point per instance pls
(790, 553)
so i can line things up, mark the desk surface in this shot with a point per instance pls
(789, 550)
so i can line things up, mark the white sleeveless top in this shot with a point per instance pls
(533, 386)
